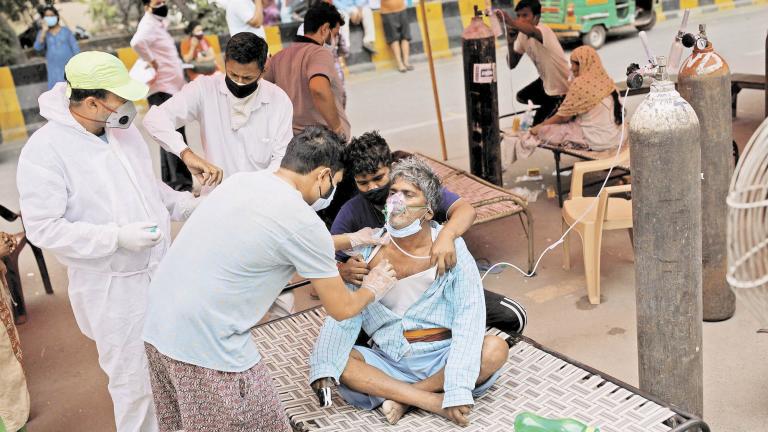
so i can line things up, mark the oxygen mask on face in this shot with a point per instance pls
(395, 206)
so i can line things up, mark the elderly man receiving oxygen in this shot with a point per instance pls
(429, 350)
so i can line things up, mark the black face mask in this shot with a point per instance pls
(241, 91)
(161, 11)
(377, 196)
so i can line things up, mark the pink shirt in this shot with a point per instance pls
(153, 42)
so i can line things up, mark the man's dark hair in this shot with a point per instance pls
(366, 154)
(320, 14)
(314, 147)
(246, 47)
(191, 27)
(533, 5)
(79, 95)
(145, 2)
(50, 8)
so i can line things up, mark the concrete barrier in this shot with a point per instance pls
(21, 85)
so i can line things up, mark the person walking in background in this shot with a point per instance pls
(196, 51)
(397, 31)
(357, 12)
(306, 71)
(155, 46)
(59, 44)
(246, 16)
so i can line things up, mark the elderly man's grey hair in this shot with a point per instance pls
(417, 172)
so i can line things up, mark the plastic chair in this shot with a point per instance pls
(603, 213)
(12, 263)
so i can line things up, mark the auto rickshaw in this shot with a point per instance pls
(591, 20)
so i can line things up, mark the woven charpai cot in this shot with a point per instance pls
(532, 380)
(490, 201)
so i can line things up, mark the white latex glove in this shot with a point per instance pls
(380, 280)
(138, 236)
(366, 236)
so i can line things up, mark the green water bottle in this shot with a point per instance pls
(529, 422)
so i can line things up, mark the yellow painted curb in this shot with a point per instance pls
(274, 40)
(689, 4)
(11, 118)
(438, 35)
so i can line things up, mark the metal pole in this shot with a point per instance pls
(705, 82)
(666, 211)
(478, 47)
(428, 47)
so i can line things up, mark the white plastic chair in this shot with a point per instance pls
(603, 213)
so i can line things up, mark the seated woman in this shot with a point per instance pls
(429, 346)
(588, 119)
(196, 50)
(590, 115)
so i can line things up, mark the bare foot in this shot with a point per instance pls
(394, 411)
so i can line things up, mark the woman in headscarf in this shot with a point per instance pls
(590, 117)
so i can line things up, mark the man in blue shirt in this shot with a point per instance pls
(368, 162)
(429, 350)
(226, 267)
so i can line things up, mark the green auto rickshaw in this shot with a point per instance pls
(591, 20)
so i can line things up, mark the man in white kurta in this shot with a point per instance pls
(89, 195)
(245, 121)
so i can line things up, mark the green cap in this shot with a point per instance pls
(95, 70)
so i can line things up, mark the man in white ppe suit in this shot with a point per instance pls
(89, 195)
(245, 121)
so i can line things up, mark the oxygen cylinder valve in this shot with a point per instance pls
(700, 41)
(636, 74)
(656, 67)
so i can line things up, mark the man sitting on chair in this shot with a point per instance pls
(429, 350)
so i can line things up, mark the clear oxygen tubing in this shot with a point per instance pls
(589, 209)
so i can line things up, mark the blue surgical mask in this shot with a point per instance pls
(324, 201)
(51, 20)
(406, 231)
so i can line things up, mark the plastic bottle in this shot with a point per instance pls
(527, 120)
(529, 422)
(491, 14)
(676, 51)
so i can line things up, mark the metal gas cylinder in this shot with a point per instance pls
(704, 81)
(666, 211)
(478, 48)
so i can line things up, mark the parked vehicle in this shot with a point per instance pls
(592, 20)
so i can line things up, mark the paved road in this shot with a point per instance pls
(400, 105)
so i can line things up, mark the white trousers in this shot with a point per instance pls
(369, 30)
(110, 310)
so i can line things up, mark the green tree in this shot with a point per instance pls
(10, 49)
(211, 16)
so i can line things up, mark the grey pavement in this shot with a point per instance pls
(69, 391)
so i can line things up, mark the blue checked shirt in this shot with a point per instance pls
(454, 301)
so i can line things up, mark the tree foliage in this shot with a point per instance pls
(10, 49)
(14, 9)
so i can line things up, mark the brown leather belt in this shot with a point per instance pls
(427, 335)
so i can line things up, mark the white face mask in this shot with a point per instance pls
(122, 117)
(324, 201)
